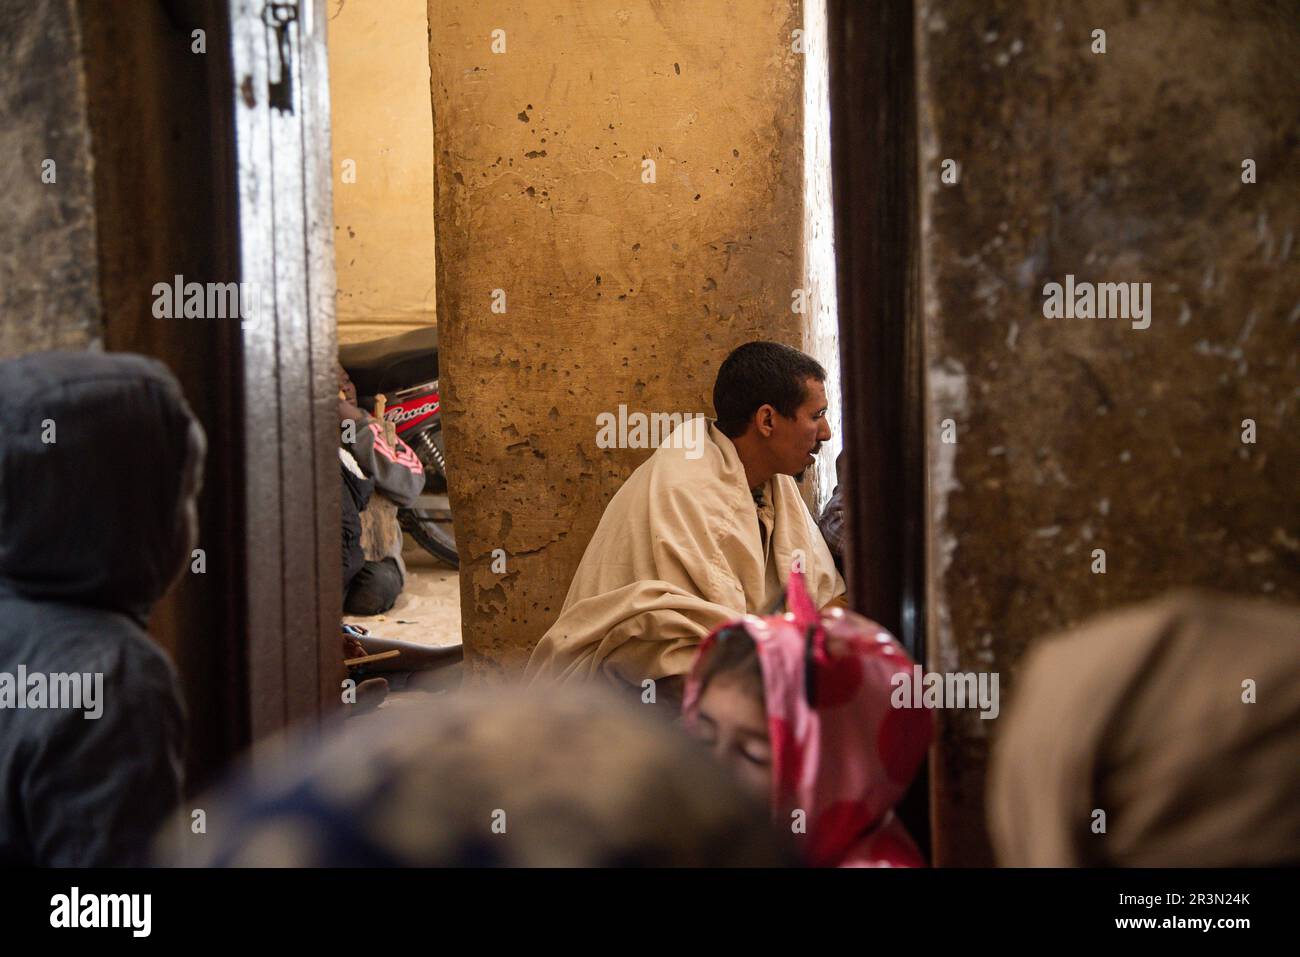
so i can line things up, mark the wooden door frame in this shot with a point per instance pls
(874, 180)
(873, 155)
(292, 485)
(236, 186)
(162, 139)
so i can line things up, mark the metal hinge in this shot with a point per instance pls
(279, 17)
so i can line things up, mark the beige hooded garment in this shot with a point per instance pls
(677, 553)
(1145, 715)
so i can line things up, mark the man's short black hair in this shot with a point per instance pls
(758, 374)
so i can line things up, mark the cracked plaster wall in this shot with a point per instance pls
(1079, 434)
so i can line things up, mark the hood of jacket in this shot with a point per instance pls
(93, 451)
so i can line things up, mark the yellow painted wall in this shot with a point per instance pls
(382, 122)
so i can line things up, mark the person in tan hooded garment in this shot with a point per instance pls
(1180, 719)
(704, 531)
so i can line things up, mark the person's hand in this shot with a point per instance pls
(353, 648)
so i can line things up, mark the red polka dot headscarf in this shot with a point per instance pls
(842, 755)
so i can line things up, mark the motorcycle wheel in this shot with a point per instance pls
(429, 520)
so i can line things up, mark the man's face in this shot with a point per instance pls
(795, 442)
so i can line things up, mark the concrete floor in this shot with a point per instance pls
(428, 610)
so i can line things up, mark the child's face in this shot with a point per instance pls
(733, 724)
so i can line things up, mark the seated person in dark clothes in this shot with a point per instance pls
(357, 490)
(380, 473)
(101, 462)
(833, 522)
(384, 475)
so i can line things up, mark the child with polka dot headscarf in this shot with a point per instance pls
(798, 705)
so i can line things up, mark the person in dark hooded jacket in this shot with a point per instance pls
(100, 461)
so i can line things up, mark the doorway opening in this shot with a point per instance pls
(383, 228)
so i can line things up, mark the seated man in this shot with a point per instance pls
(706, 530)
(380, 475)
(102, 463)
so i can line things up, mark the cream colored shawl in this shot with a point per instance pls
(676, 554)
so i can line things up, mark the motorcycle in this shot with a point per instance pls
(404, 368)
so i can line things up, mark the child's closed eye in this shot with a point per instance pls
(706, 730)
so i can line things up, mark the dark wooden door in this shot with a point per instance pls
(873, 156)
(291, 422)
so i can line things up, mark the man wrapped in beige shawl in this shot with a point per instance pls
(705, 531)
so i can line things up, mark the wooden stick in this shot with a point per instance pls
(367, 659)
